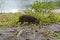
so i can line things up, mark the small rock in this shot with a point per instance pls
(27, 39)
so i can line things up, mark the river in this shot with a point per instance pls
(15, 5)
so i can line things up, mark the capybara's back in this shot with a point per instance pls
(28, 18)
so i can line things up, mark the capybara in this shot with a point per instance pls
(28, 18)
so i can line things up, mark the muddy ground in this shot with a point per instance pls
(29, 32)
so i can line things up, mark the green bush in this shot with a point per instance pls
(51, 18)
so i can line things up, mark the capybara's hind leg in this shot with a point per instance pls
(28, 23)
(22, 23)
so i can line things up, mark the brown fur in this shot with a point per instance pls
(28, 18)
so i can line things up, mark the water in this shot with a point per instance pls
(14, 5)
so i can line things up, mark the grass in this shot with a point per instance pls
(7, 19)
(50, 34)
(45, 18)
(10, 18)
